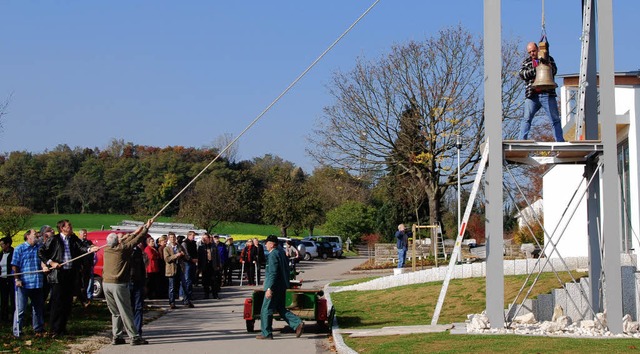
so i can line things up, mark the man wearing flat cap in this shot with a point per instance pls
(276, 283)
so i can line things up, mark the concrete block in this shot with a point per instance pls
(544, 307)
(560, 298)
(477, 269)
(457, 271)
(508, 267)
(575, 302)
(467, 270)
(521, 266)
(534, 265)
(628, 274)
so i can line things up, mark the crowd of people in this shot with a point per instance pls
(50, 266)
(59, 267)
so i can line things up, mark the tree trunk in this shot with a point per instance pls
(283, 231)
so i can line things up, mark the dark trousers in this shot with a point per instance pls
(7, 299)
(250, 271)
(217, 282)
(207, 280)
(136, 290)
(81, 286)
(258, 271)
(154, 285)
(61, 300)
(228, 272)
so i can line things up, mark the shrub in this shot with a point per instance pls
(524, 234)
(351, 219)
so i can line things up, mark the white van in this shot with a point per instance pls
(335, 241)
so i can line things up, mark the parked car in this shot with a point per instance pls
(335, 241)
(325, 249)
(311, 250)
(99, 238)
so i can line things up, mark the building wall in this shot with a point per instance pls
(560, 184)
(560, 181)
(629, 102)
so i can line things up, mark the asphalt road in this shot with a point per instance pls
(218, 326)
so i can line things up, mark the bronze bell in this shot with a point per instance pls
(544, 72)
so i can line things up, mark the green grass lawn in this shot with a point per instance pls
(84, 221)
(414, 305)
(448, 343)
(239, 230)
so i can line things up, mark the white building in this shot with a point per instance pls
(561, 182)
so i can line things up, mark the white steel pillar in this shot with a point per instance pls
(610, 197)
(493, 179)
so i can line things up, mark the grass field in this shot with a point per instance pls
(414, 305)
(239, 230)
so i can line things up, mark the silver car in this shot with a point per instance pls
(311, 250)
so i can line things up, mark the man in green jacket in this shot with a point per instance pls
(116, 275)
(276, 283)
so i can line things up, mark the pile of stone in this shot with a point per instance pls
(560, 325)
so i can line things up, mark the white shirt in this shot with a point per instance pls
(3, 263)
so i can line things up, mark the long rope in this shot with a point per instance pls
(255, 120)
(543, 25)
(270, 105)
(69, 261)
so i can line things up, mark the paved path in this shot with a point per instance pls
(218, 326)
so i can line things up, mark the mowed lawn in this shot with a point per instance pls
(414, 305)
(91, 222)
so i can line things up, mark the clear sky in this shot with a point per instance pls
(158, 72)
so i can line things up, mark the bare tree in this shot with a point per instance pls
(3, 109)
(221, 142)
(401, 114)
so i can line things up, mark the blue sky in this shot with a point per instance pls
(185, 72)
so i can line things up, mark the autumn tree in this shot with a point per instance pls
(401, 114)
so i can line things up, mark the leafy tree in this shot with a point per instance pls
(310, 211)
(281, 199)
(400, 115)
(335, 186)
(13, 219)
(351, 219)
(16, 178)
(59, 167)
(87, 185)
(212, 200)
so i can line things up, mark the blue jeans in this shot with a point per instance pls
(37, 307)
(532, 105)
(136, 290)
(174, 284)
(90, 287)
(402, 254)
(187, 281)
